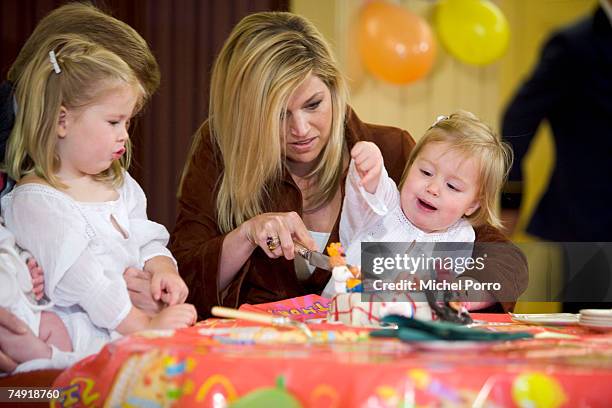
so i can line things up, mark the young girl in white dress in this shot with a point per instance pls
(75, 207)
(449, 185)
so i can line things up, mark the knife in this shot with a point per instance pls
(314, 258)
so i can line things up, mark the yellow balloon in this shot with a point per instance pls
(537, 390)
(473, 31)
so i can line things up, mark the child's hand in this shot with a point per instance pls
(174, 317)
(139, 288)
(368, 162)
(168, 286)
(38, 278)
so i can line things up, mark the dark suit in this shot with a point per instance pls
(571, 87)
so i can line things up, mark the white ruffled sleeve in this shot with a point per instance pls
(360, 208)
(151, 237)
(55, 231)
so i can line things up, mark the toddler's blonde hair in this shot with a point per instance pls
(465, 133)
(88, 72)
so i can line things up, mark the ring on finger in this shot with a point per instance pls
(272, 243)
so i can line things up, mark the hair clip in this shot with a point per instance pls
(439, 119)
(53, 60)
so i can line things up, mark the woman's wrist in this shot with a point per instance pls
(237, 247)
(245, 232)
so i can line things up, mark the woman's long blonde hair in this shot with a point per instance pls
(464, 132)
(88, 71)
(263, 61)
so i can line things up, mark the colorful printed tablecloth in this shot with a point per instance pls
(223, 362)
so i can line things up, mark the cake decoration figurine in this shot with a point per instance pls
(347, 279)
(352, 307)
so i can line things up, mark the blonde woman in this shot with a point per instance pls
(268, 167)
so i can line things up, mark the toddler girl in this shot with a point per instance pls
(450, 184)
(75, 207)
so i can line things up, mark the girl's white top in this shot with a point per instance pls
(379, 217)
(83, 255)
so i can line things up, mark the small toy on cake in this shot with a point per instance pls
(352, 307)
(347, 278)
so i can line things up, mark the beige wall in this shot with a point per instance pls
(451, 85)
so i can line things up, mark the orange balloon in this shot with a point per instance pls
(394, 44)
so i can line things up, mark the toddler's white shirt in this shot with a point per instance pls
(379, 217)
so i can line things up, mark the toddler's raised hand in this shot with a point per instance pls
(368, 162)
(174, 317)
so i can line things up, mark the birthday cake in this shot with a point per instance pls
(352, 307)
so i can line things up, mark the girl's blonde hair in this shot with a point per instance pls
(468, 135)
(88, 71)
(266, 57)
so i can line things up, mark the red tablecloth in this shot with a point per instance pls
(218, 362)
